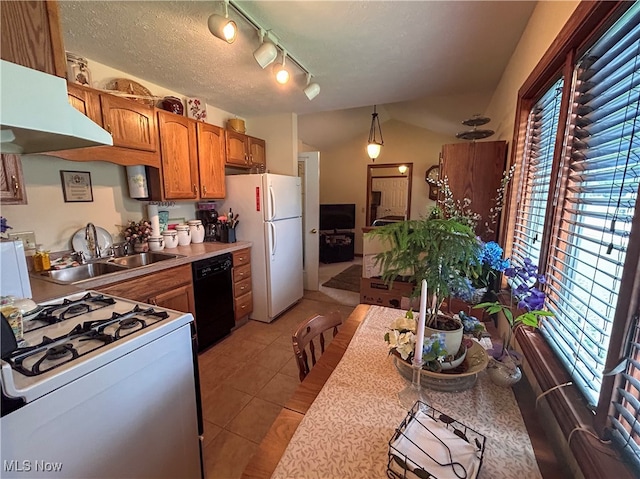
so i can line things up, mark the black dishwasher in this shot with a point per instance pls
(213, 291)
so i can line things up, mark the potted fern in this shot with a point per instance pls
(442, 251)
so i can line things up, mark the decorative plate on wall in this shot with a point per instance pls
(134, 88)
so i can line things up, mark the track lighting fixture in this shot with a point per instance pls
(266, 53)
(374, 146)
(312, 89)
(222, 27)
(282, 75)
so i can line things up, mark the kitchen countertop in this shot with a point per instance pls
(43, 290)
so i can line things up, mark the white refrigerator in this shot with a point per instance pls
(269, 212)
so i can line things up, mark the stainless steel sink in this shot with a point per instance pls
(82, 272)
(142, 259)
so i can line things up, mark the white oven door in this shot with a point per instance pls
(132, 418)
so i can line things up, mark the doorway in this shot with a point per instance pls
(309, 173)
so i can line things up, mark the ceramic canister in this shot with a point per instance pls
(170, 238)
(197, 231)
(156, 243)
(184, 235)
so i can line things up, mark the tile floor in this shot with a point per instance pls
(247, 377)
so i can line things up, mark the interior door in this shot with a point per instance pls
(309, 173)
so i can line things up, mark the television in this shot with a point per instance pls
(338, 217)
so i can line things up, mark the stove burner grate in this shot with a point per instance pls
(50, 314)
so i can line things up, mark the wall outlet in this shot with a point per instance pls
(28, 238)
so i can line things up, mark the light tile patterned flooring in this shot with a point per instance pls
(246, 378)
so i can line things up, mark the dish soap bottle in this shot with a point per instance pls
(41, 260)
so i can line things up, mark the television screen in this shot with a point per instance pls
(337, 217)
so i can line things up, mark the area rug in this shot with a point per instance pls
(349, 279)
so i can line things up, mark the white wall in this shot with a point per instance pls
(281, 135)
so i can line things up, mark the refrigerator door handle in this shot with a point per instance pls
(273, 243)
(272, 204)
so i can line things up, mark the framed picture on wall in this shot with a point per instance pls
(76, 186)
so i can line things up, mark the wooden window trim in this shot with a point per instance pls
(569, 407)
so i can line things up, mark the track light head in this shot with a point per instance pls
(312, 89)
(223, 28)
(266, 53)
(282, 74)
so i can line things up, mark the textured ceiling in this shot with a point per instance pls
(430, 63)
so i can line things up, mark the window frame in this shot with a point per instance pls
(586, 24)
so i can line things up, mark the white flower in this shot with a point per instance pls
(404, 343)
(404, 324)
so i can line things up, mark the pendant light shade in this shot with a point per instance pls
(375, 138)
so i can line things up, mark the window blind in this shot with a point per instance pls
(535, 172)
(602, 168)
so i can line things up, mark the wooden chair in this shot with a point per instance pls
(308, 331)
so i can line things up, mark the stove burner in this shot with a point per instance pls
(52, 354)
(75, 310)
(129, 323)
(56, 352)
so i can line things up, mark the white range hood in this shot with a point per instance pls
(35, 114)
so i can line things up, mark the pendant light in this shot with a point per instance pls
(374, 146)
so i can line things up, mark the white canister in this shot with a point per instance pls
(170, 238)
(184, 235)
(197, 231)
(156, 243)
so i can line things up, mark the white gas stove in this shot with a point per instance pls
(97, 373)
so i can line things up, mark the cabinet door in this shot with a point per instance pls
(474, 171)
(257, 149)
(31, 36)
(132, 125)
(237, 154)
(180, 299)
(12, 190)
(211, 160)
(86, 101)
(178, 155)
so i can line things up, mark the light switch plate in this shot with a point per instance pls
(28, 238)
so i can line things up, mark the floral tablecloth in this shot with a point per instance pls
(345, 433)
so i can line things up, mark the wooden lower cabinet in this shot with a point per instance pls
(242, 295)
(171, 288)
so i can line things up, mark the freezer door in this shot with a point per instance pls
(282, 197)
(284, 260)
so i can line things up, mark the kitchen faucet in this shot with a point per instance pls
(91, 236)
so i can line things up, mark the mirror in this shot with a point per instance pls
(388, 193)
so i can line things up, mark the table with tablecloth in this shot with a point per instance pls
(346, 431)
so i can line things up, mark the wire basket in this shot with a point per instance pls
(428, 444)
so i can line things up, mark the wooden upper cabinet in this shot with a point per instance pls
(12, 190)
(211, 161)
(131, 124)
(257, 153)
(237, 149)
(178, 155)
(30, 35)
(86, 101)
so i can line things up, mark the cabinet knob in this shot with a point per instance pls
(108, 128)
(314, 231)
(242, 288)
(204, 189)
(16, 186)
(195, 188)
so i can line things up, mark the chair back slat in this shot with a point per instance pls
(305, 335)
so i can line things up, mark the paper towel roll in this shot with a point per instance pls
(154, 219)
(137, 179)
